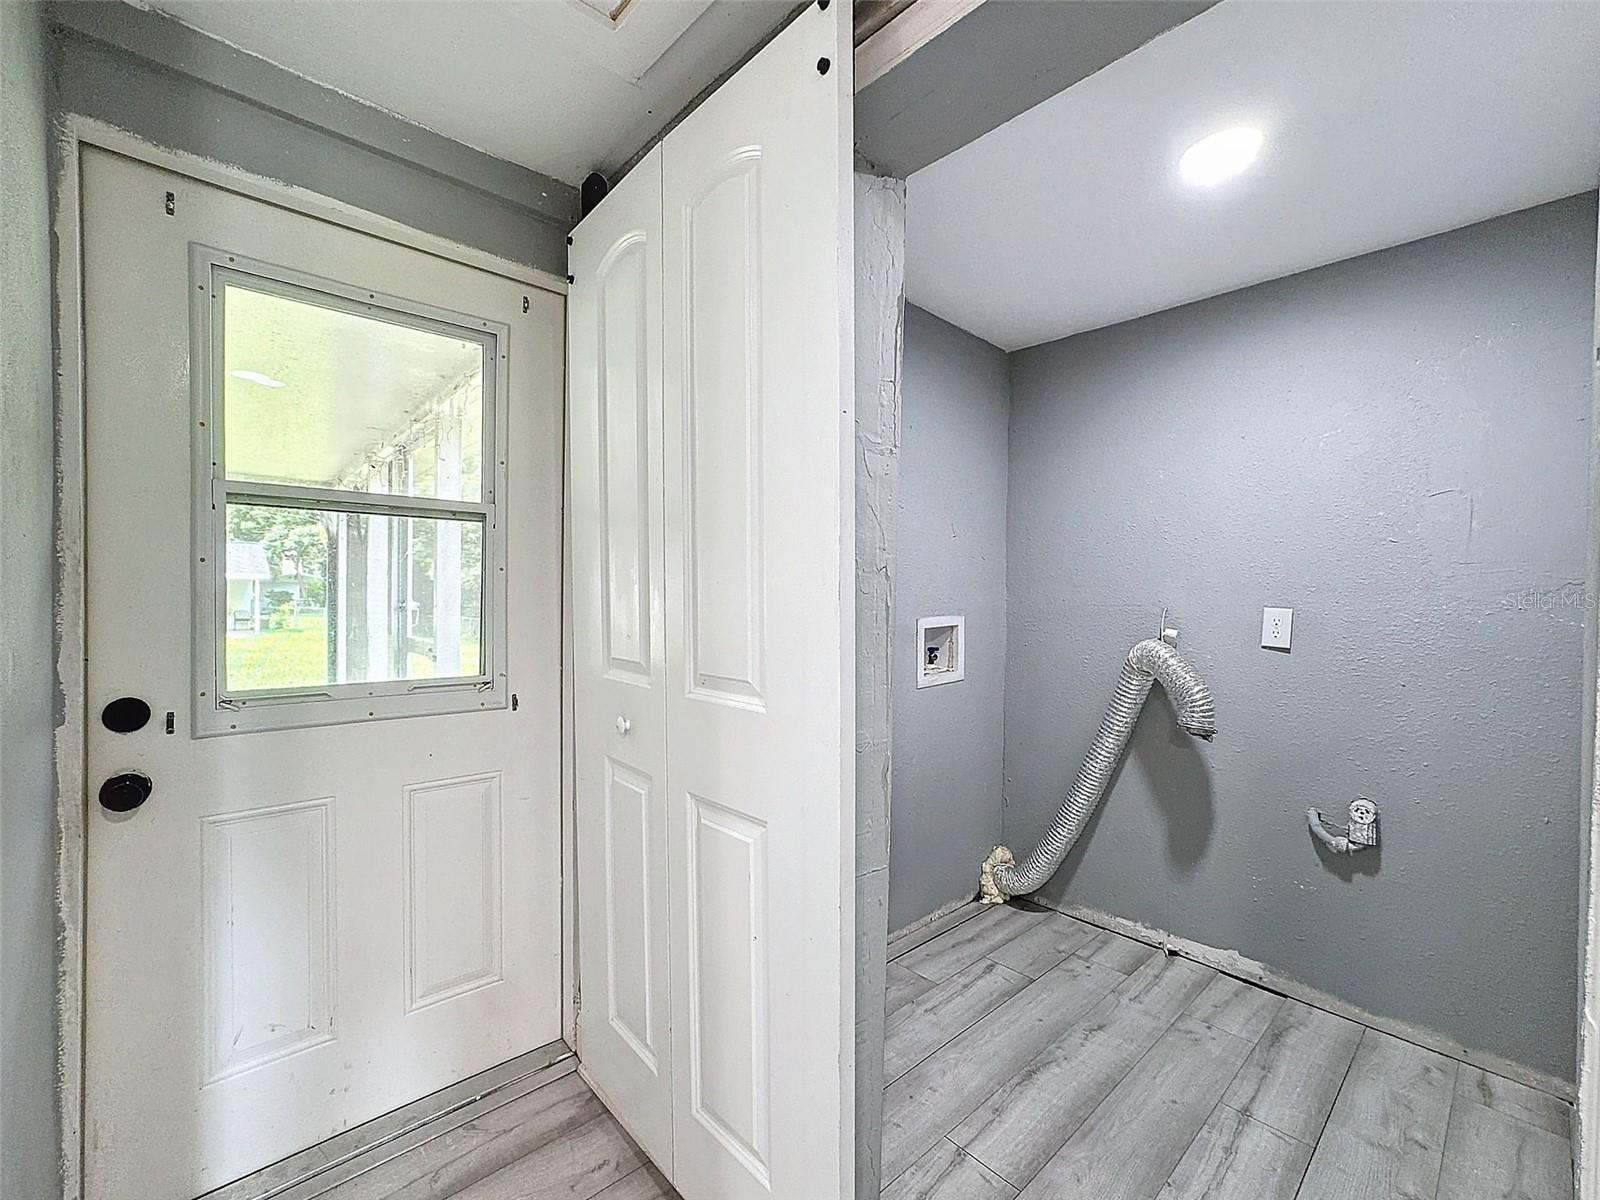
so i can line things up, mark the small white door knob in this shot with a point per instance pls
(623, 725)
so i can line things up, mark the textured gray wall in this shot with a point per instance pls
(949, 557)
(176, 87)
(1397, 447)
(1584, 1146)
(29, 1146)
(880, 216)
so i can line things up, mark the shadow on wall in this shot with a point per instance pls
(1347, 866)
(1176, 775)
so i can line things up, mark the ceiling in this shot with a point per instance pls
(1384, 123)
(552, 85)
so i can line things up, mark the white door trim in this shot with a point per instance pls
(77, 133)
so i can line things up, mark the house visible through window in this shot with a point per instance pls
(349, 445)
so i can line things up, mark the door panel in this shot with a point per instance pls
(453, 888)
(722, 516)
(760, 652)
(302, 928)
(726, 975)
(268, 934)
(619, 655)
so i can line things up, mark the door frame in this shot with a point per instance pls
(78, 133)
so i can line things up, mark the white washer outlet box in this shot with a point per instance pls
(1276, 626)
(941, 650)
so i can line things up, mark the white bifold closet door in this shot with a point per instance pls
(619, 655)
(712, 526)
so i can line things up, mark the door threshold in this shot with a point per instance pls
(350, 1153)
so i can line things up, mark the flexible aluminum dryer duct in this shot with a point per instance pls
(1148, 661)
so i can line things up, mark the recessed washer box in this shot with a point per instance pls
(941, 650)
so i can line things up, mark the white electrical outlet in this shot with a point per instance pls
(1276, 626)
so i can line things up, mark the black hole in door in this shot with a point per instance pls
(125, 714)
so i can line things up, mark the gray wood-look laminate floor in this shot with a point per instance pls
(544, 1137)
(1039, 1057)
(1032, 1055)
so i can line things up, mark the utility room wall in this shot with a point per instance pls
(1397, 448)
(949, 558)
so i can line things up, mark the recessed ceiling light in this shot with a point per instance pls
(258, 377)
(1219, 157)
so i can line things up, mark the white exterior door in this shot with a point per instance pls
(756, 486)
(312, 457)
(620, 656)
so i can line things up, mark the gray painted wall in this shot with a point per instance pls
(1583, 1130)
(28, 1133)
(1397, 447)
(147, 73)
(949, 557)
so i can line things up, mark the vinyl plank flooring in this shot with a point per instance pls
(1515, 1099)
(969, 941)
(1117, 952)
(1294, 1074)
(904, 941)
(1236, 1007)
(644, 1183)
(1385, 1137)
(388, 1159)
(1042, 946)
(345, 1155)
(1235, 1158)
(1119, 1073)
(943, 1011)
(930, 1100)
(948, 1172)
(543, 1124)
(903, 986)
(578, 1166)
(1132, 1143)
(1491, 1156)
(1020, 1127)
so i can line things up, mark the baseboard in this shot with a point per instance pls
(1231, 962)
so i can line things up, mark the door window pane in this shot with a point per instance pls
(322, 397)
(316, 597)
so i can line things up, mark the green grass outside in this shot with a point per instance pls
(297, 656)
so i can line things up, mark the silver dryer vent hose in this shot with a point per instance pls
(1150, 660)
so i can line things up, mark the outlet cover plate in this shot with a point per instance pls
(1277, 624)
